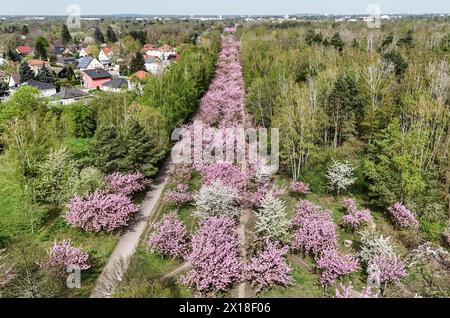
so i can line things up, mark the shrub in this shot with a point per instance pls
(314, 229)
(269, 268)
(272, 221)
(126, 184)
(100, 211)
(402, 217)
(299, 187)
(179, 196)
(216, 199)
(215, 258)
(331, 265)
(354, 217)
(169, 237)
(62, 255)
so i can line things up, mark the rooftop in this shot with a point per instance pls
(97, 73)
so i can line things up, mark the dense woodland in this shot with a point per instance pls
(364, 180)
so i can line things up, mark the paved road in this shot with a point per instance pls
(118, 262)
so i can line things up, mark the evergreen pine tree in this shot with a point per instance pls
(98, 36)
(40, 49)
(45, 75)
(25, 30)
(14, 56)
(65, 35)
(137, 63)
(337, 42)
(111, 35)
(3, 88)
(25, 72)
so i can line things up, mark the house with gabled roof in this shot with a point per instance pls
(36, 65)
(14, 81)
(154, 65)
(88, 63)
(86, 51)
(94, 78)
(105, 56)
(69, 95)
(116, 85)
(24, 49)
(139, 75)
(45, 89)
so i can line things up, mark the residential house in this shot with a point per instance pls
(116, 85)
(139, 75)
(66, 61)
(58, 50)
(45, 89)
(86, 51)
(150, 50)
(2, 61)
(88, 63)
(165, 51)
(14, 81)
(36, 65)
(162, 52)
(24, 49)
(94, 78)
(70, 95)
(154, 65)
(136, 78)
(105, 56)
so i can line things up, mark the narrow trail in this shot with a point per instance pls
(119, 260)
(182, 268)
(241, 230)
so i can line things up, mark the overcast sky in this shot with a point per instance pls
(245, 7)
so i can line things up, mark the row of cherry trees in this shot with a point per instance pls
(213, 251)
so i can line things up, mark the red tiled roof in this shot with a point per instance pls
(24, 49)
(166, 48)
(107, 50)
(37, 62)
(140, 75)
(149, 47)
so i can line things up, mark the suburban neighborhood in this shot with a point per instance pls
(92, 67)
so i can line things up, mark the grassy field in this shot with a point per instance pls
(15, 231)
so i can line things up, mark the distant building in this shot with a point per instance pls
(88, 63)
(45, 89)
(139, 75)
(105, 56)
(24, 49)
(154, 65)
(85, 52)
(14, 81)
(116, 85)
(95, 78)
(36, 65)
(70, 95)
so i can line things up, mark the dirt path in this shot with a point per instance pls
(118, 262)
(243, 221)
(183, 267)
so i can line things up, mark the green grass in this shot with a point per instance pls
(15, 228)
(305, 285)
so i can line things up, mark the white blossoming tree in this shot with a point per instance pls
(216, 199)
(272, 221)
(340, 176)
